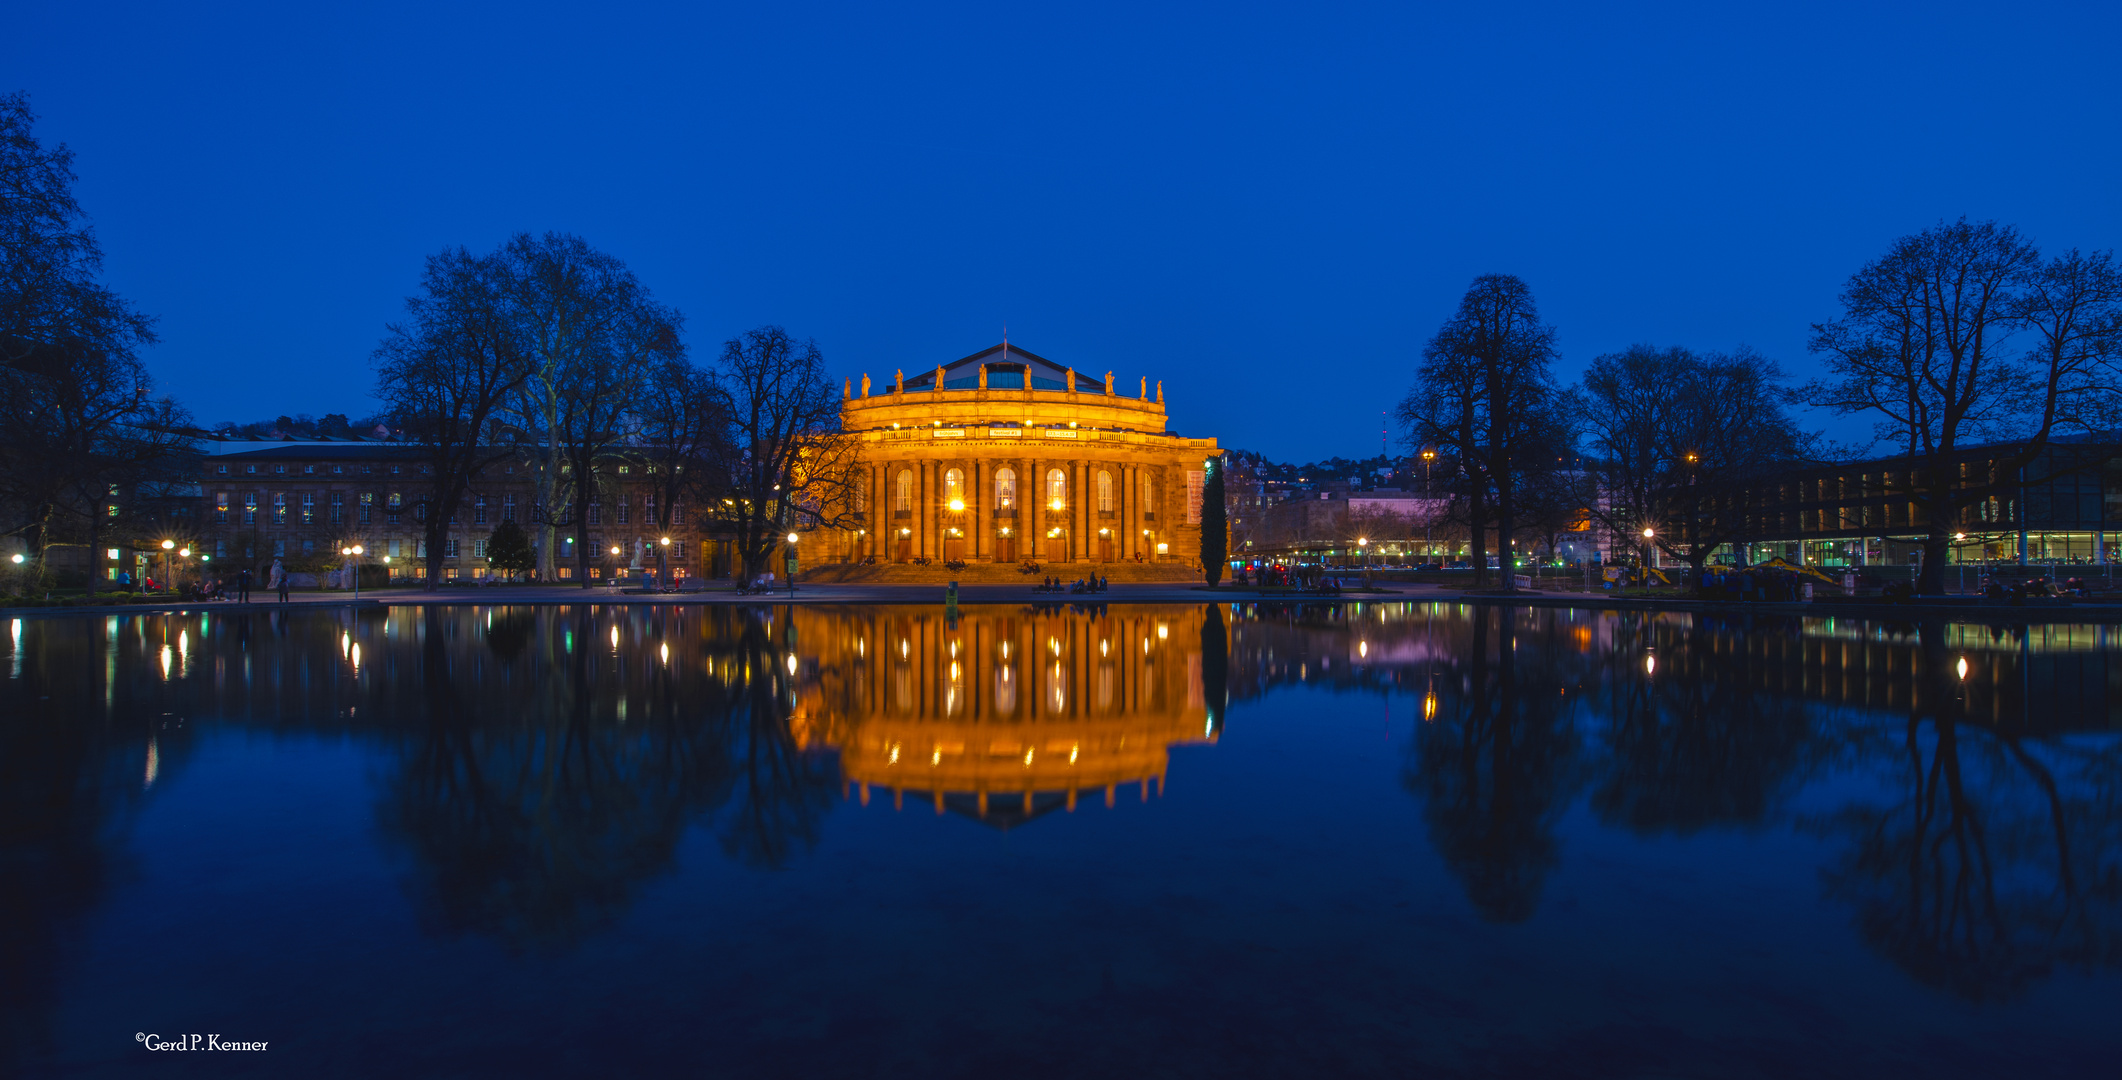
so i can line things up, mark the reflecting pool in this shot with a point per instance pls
(1307, 839)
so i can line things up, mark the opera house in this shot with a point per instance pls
(1006, 457)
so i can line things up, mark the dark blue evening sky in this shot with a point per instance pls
(1270, 209)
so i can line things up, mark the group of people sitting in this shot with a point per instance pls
(1092, 584)
(2017, 592)
(1262, 575)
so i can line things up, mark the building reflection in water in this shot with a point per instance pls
(1008, 714)
(538, 765)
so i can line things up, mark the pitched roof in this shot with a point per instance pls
(962, 374)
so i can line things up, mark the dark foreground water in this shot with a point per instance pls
(1333, 840)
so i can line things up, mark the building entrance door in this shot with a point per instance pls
(905, 550)
(953, 549)
(1105, 548)
(1057, 548)
(1005, 549)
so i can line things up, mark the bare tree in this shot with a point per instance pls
(684, 426)
(1676, 436)
(571, 300)
(77, 422)
(601, 392)
(445, 375)
(1483, 389)
(787, 463)
(1929, 342)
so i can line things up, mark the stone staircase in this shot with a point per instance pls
(994, 573)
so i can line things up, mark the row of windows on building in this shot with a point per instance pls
(417, 548)
(306, 509)
(954, 490)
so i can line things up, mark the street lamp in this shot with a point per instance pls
(353, 562)
(792, 565)
(167, 547)
(1648, 552)
(663, 563)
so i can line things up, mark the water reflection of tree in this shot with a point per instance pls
(1691, 742)
(1496, 768)
(1998, 859)
(81, 746)
(781, 790)
(537, 801)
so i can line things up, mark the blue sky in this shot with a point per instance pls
(1268, 208)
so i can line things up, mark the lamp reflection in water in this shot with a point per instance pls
(1088, 720)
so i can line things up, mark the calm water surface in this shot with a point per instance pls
(1346, 839)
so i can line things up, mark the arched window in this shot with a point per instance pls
(903, 502)
(1056, 489)
(1005, 489)
(1105, 492)
(1149, 494)
(954, 490)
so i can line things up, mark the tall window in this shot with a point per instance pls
(1105, 492)
(903, 499)
(1149, 496)
(309, 508)
(1056, 489)
(392, 505)
(478, 509)
(221, 506)
(250, 508)
(621, 502)
(1005, 489)
(367, 502)
(648, 509)
(954, 489)
(596, 514)
(508, 508)
(338, 508)
(280, 508)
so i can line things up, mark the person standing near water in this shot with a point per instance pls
(243, 585)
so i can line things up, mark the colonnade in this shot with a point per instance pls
(1029, 529)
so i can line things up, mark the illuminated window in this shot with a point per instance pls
(1105, 492)
(903, 498)
(1056, 489)
(954, 489)
(1005, 489)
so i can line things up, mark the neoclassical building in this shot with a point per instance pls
(1006, 457)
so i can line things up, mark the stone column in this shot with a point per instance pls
(976, 505)
(924, 486)
(1079, 544)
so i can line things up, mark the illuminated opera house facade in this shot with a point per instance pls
(1004, 715)
(1005, 457)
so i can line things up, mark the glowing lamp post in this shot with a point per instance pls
(663, 563)
(167, 547)
(353, 564)
(792, 565)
